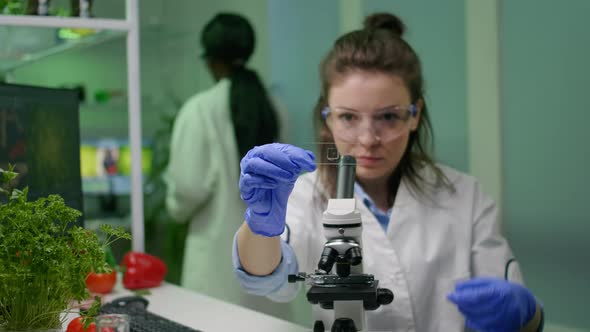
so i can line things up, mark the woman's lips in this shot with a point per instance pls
(368, 161)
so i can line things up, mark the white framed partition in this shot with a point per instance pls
(130, 25)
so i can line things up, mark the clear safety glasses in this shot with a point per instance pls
(384, 125)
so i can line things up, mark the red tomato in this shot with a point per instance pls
(101, 283)
(76, 325)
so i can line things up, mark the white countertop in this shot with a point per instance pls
(202, 312)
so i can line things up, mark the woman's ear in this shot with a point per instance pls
(416, 119)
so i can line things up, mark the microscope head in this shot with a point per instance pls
(342, 220)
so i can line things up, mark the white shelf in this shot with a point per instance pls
(24, 45)
(28, 38)
(64, 22)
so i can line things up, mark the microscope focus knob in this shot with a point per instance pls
(384, 296)
(293, 278)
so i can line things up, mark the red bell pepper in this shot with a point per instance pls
(142, 270)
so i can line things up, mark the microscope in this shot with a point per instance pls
(339, 283)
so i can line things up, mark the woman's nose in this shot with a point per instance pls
(369, 137)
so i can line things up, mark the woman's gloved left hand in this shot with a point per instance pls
(491, 304)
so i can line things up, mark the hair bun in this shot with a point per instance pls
(385, 21)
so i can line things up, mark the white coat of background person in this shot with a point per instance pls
(212, 131)
(429, 232)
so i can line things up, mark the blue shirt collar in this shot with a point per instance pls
(382, 216)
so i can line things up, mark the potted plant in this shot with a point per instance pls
(44, 259)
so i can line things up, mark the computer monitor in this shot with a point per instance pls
(39, 135)
(106, 165)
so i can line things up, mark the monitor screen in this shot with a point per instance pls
(106, 165)
(39, 135)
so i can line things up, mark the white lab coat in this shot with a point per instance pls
(202, 179)
(429, 245)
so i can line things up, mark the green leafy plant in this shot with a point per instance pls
(44, 258)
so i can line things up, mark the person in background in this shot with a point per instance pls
(430, 234)
(212, 131)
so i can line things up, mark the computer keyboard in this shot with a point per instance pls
(141, 320)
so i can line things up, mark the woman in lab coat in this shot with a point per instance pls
(212, 131)
(429, 233)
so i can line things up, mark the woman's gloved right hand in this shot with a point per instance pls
(268, 174)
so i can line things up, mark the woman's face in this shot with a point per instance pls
(367, 100)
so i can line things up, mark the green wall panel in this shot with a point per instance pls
(545, 76)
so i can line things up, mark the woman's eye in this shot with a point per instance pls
(347, 117)
(389, 116)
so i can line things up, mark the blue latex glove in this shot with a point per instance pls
(494, 305)
(268, 174)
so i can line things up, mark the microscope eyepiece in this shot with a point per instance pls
(346, 177)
